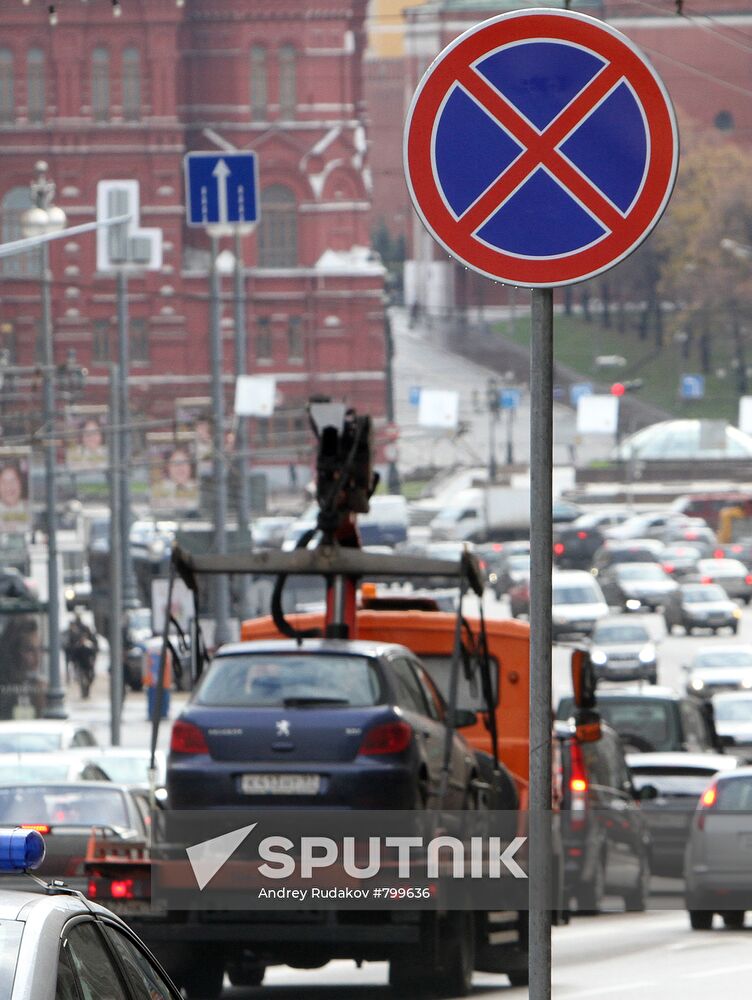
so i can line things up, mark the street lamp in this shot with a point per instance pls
(492, 399)
(42, 218)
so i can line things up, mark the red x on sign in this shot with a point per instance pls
(540, 148)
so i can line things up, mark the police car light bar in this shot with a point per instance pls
(21, 850)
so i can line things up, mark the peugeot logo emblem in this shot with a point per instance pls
(283, 727)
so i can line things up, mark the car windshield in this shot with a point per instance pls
(10, 942)
(702, 594)
(641, 571)
(62, 806)
(29, 742)
(574, 594)
(274, 680)
(735, 794)
(732, 710)
(723, 658)
(606, 634)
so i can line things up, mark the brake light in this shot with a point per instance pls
(706, 579)
(187, 738)
(736, 548)
(497, 546)
(39, 827)
(748, 578)
(122, 888)
(582, 534)
(91, 891)
(578, 786)
(707, 801)
(559, 549)
(389, 737)
(668, 568)
(718, 554)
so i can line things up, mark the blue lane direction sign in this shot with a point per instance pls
(692, 387)
(578, 390)
(509, 399)
(414, 395)
(221, 188)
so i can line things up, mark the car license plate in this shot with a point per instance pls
(672, 821)
(280, 784)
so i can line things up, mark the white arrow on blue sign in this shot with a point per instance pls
(221, 188)
(414, 395)
(692, 387)
(509, 399)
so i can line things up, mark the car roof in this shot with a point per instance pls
(338, 647)
(740, 772)
(40, 725)
(564, 575)
(69, 786)
(20, 896)
(732, 696)
(720, 761)
(655, 691)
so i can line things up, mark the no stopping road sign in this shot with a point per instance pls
(540, 147)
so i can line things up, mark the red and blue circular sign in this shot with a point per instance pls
(540, 148)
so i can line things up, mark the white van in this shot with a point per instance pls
(577, 602)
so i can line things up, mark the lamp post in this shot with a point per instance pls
(44, 217)
(492, 398)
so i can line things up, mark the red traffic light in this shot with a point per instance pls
(618, 389)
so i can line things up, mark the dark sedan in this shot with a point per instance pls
(636, 585)
(731, 574)
(576, 543)
(322, 724)
(701, 606)
(679, 779)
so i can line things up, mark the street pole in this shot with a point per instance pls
(541, 468)
(241, 437)
(492, 400)
(55, 701)
(130, 591)
(392, 476)
(510, 435)
(116, 580)
(221, 592)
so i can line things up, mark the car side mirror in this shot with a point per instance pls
(646, 793)
(464, 717)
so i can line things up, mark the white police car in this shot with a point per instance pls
(57, 945)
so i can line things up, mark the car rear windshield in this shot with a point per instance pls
(730, 710)
(653, 721)
(724, 658)
(10, 942)
(708, 592)
(30, 742)
(61, 806)
(638, 571)
(690, 781)
(274, 680)
(735, 794)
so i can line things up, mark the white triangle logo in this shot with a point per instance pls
(208, 857)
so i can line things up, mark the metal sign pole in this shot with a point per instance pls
(219, 485)
(541, 468)
(241, 438)
(116, 593)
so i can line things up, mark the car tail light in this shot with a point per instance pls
(707, 800)
(389, 737)
(39, 827)
(668, 567)
(91, 890)
(578, 786)
(736, 548)
(559, 549)
(187, 738)
(582, 534)
(706, 579)
(122, 888)
(748, 578)
(718, 554)
(497, 546)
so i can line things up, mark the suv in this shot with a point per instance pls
(652, 719)
(604, 833)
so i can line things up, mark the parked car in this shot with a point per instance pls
(635, 585)
(719, 668)
(320, 724)
(732, 711)
(651, 719)
(576, 543)
(701, 606)
(717, 872)
(43, 736)
(605, 836)
(623, 651)
(679, 779)
(731, 574)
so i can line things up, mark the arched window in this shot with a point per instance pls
(131, 85)
(278, 230)
(35, 96)
(288, 84)
(7, 100)
(14, 204)
(259, 84)
(100, 84)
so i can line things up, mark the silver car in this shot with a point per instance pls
(718, 863)
(733, 719)
(623, 651)
(719, 668)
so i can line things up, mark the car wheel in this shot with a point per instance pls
(245, 975)
(204, 978)
(407, 977)
(454, 973)
(590, 895)
(733, 919)
(701, 920)
(636, 900)
(735, 628)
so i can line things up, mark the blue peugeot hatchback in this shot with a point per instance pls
(322, 723)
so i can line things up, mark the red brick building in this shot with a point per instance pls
(103, 97)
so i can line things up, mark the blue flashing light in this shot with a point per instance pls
(21, 850)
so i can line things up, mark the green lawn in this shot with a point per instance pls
(577, 344)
